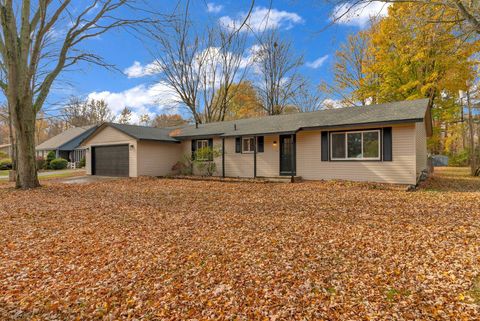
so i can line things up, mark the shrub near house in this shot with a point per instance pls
(58, 163)
(5, 164)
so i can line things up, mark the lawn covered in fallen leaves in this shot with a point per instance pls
(181, 249)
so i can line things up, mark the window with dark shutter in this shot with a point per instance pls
(260, 144)
(210, 145)
(387, 144)
(194, 148)
(238, 144)
(325, 147)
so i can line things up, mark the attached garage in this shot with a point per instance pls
(129, 151)
(110, 160)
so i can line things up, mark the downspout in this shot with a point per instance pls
(292, 171)
(254, 156)
(223, 157)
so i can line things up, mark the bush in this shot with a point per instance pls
(58, 163)
(3, 155)
(204, 160)
(41, 163)
(50, 157)
(184, 167)
(5, 164)
(82, 162)
(460, 159)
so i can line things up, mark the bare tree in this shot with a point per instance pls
(308, 98)
(350, 78)
(37, 42)
(125, 116)
(195, 64)
(80, 112)
(277, 66)
(145, 120)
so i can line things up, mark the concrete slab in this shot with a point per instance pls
(87, 179)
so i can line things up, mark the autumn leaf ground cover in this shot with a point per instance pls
(179, 249)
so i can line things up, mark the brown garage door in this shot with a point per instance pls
(110, 160)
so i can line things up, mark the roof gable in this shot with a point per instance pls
(136, 132)
(67, 140)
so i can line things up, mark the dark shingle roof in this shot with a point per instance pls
(68, 140)
(405, 111)
(144, 133)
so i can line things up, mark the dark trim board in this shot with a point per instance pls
(361, 125)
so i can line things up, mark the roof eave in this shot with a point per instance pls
(376, 123)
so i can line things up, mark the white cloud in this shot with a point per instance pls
(262, 19)
(141, 99)
(358, 15)
(137, 70)
(317, 63)
(214, 8)
(332, 103)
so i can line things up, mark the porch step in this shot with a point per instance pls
(281, 179)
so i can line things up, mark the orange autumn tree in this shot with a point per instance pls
(242, 102)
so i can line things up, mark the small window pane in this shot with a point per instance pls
(338, 145)
(248, 144)
(354, 142)
(370, 145)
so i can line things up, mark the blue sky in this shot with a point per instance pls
(302, 22)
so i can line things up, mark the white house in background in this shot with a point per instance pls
(6, 149)
(379, 143)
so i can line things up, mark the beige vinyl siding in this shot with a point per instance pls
(111, 136)
(401, 170)
(268, 162)
(237, 164)
(242, 164)
(157, 158)
(421, 147)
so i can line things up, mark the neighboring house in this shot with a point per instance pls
(6, 149)
(380, 143)
(67, 144)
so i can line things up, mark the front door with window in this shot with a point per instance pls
(287, 155)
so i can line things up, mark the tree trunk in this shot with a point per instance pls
(24, 124)
(473, 158)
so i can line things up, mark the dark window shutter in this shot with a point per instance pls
(387, 144)
(210, 145)
(238, 144)
(194, 148)
(260, 144)
(325, 147)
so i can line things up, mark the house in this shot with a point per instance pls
(378, 143)
(6, 149)
(67, 144)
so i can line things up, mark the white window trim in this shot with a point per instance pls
(248, 151)
(346, 145)
(201, 141)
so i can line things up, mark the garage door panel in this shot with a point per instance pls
(111, 160)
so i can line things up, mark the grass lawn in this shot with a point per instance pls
(57, 174)
(180, 249)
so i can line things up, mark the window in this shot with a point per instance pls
(248, 145)
(202, 143)
(357, 145)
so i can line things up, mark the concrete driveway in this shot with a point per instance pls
(86, 179)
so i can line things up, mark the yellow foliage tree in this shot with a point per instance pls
(413, 58)
(243, 102)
